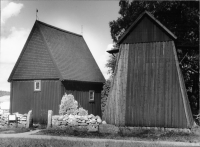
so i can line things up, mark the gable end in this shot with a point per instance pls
(146, 28)
(35, 61)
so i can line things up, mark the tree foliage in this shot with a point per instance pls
(181, 18)
(105, 93)
(111, 64)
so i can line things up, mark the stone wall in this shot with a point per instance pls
(90, 122)
(72, 116)
(21, 120)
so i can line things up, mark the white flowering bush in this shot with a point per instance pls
(70, 106)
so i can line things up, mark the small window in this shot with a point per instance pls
(37, 85)
(91, 96)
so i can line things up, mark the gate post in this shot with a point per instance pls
(49, 123)
(29, 121)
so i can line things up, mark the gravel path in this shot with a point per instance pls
(98, 141)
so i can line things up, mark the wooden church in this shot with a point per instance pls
(52, 62)
(148, 88)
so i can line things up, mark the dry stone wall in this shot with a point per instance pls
(21, 120)
(71, 115)
(90, 121)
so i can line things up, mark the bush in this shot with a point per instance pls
(198, 119)
(70, 106)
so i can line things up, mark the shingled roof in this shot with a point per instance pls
(70, 54)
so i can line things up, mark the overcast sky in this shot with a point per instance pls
(18, 17)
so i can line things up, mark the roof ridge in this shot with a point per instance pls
(134, 23)
(59, 28)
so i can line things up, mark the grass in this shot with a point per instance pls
(21, 142)
(140, 135)
(148, 135)
(13, 130)
(163, 136)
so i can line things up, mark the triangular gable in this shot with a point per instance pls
(35, 61)
(71, 54)
(146, 28)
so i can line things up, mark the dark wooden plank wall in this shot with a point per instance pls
(24, 98)
(153, 92)
(80, 91)
(146, 31)
(48, 99)
(82, 98)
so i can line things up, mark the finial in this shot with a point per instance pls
(37, 18)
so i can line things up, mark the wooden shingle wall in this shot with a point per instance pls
(71, 55)
(35, 62)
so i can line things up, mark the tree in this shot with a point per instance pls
(105, 93)
(180, 17)
(111, 63)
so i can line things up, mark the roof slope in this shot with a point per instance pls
(70, 54)
(35, 61)
(154, 20)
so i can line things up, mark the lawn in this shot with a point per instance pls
(147, 135)
(13, 142)
(142, 135)
(13, 130)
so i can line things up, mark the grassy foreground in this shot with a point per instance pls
(21, 142)
(13, 130)
(143, 135)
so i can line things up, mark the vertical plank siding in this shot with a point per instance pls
(115, 109)
(24, 98)
(146, 31)
(48, 99)
(149, 85)
(154, 96)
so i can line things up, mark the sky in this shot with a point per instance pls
(18, 18)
